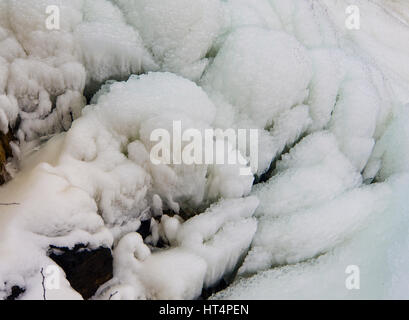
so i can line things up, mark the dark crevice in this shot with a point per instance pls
(86, 269)
(273, 166)
(94, 86)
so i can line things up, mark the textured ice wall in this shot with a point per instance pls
(329, 104)
(316, 217)
(44, 72)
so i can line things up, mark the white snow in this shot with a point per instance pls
(206, 247)
(249, 71)
(330, 106)
(319, 221)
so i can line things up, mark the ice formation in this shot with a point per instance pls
(205, 248)
(330, 105)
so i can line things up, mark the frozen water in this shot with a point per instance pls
(330, 105)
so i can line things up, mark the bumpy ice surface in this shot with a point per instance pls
(332, 182)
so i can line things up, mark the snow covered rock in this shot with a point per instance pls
(207, 247)
(261, 72)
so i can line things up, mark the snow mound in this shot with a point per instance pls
(102, 182)
(208, 246)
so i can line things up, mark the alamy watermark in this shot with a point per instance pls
(52, 22)
(353, 19)
(353, 281)
(210, 146)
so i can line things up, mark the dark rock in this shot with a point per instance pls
(145, 228)
(273, 165)
(5, 153)
(86, 269)
(16, 291)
